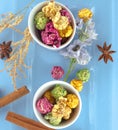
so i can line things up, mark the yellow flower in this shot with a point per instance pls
(66, 32)
(62, 23)
(51, 9)
(72, 100)
(59, 109)
(77, 84)
(67, 113)
(56, 17)
(85, 14)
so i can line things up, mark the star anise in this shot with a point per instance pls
(106, 52)
(5, 49)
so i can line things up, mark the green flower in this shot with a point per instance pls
(53, 120)
(58, 91)
(83, 75)
(40, 20)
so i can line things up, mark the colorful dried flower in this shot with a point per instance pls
(67, 113)
(59, 109)
(50, 36)
(62, 101)
(56, 17)
(57, 72)
(83, 75)
(62, 23)
(38, 15)
(51, 9)
(44, 106)
(86, 34)
(72, 100)
(58, 91)
(77, 84)
(64, 12)
(77, 54)
(40, 20)
(53, 120)
(85, 14)
(49, 96)
(66, 32)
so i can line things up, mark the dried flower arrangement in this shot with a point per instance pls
(77, 51)
(14, 53)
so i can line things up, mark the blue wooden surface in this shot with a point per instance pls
(100, 94)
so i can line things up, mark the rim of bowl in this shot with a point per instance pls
(37, 114)
(30, 25)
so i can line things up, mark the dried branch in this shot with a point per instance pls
(10, 20)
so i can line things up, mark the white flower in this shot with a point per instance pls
(90, 30)
(84, 57)
(79, 23)
(86, 31)
(78, 52)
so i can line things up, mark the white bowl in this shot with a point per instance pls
(50, 85)
(33, 31)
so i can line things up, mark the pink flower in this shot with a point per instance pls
(50, 36)
(57, 72)
(44, 106)
(66, 13)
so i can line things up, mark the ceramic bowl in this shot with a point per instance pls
(47, 86)
(35, 34)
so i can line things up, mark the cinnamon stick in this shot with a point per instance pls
(25, 122)
(13, 96)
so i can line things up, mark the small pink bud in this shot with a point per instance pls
(57, 72)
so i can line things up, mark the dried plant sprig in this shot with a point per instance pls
(16, 62)
(10, 20)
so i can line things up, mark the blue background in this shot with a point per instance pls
(99, 96)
